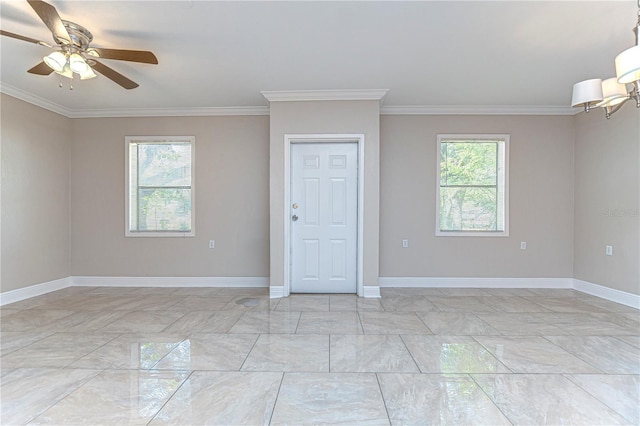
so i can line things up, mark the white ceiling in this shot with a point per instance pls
(431, 55)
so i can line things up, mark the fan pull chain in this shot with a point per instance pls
(61, 85)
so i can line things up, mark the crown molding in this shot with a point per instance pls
(292, 95)
(130, 112)
(34, 100)
(171, 112)
(479, 110)
(325, 95)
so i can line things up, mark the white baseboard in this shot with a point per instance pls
(171, 281)
(17, 295)
(622, 297)
(464, 282)
(372, 291)
(276, 291)
(603, 292)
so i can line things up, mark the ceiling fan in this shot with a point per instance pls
(73, 54)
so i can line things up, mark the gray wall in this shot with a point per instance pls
(541, 200)
(35, 195)
(318, 117)
(607, 187)
(231, 205)
(57, 171)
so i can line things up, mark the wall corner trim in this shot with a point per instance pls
(371, 291)
(276, 291)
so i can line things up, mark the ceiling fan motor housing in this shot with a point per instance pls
(80, 36)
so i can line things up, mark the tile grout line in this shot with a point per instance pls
(410, 354)
(384, 401)
(275, 400)
(471, 376)
(423, 322)
(186, 379)
(168, 353)
(234, 323)
(117, 336)
(249, 351)
(66, 394)
(568, 377)
(329, 353)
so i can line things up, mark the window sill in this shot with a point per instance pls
(472, 234)
(159, 234)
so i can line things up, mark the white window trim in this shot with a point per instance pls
(161, 139)
(474, 136)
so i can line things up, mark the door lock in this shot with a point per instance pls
(294, 217)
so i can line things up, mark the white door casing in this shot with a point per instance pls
(355, 143)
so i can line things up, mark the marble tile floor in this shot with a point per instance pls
(232, 356)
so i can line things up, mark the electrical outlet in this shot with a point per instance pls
(405, 243)
(523, 245)
(608, 250)
(212, 244)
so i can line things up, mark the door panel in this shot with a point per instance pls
(324, 202)
(311, 259)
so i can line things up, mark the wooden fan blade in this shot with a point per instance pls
(41, 69)
(51, 19)
(21, 37)
(143, 56)
(114, 76)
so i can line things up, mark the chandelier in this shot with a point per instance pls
(612, 93)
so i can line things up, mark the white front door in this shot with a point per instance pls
(324, 217)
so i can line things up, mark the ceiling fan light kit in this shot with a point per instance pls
(73, 54)
(612, 93)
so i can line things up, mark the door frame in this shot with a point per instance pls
(290, 139)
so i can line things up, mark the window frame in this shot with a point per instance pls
(475, 137)
(158, 140)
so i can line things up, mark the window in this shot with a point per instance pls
(472, 196)
(160, 186)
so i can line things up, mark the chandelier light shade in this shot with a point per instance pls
(588, 92)
(628, 65)
(612, 93)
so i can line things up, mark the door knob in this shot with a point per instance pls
(294, 217)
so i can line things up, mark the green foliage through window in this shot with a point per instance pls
(160, 186)
(471, 184)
